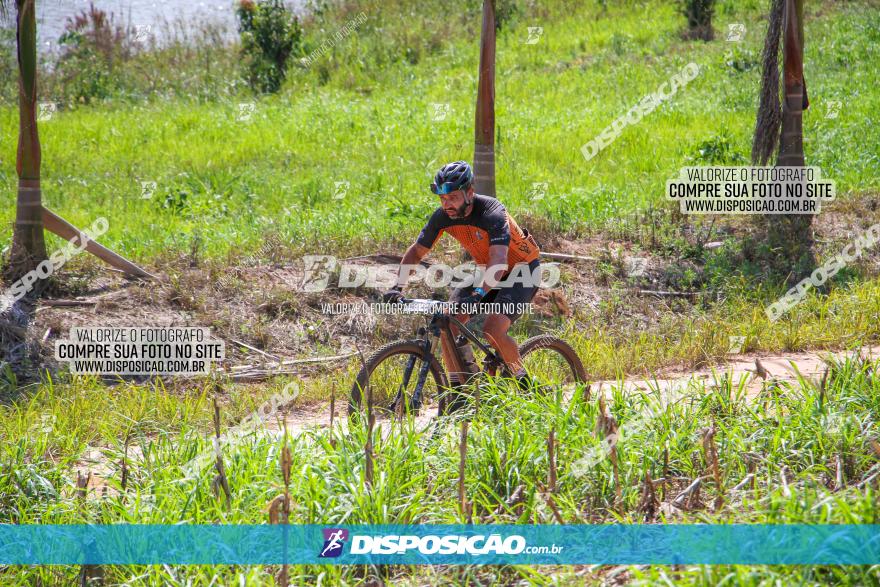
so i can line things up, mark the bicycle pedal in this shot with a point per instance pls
(410, 406)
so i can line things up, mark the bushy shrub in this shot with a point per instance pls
(718, 150)
(507, 12)
(92, 47)
(699, 15)
(270, 35)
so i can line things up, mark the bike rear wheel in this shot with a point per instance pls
(394, 371)
(552, 361)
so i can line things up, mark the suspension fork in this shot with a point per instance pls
(422, 376)
(440, 331)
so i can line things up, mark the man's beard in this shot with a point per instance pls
(458, 212)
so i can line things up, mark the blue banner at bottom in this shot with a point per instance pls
(441, 544)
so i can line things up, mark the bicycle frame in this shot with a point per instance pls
(440, 326)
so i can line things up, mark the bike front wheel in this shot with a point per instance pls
(398, 371)
(552, 361)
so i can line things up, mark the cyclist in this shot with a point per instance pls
(495, 241)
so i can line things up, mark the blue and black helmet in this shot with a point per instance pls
(453, 176)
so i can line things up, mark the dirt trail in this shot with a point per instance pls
(780, 367)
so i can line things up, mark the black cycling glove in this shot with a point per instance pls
(392, 296)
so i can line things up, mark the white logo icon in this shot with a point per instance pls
(635, 266)
(340, 189)
(439, 112)
(245, 111)
(735, 344)
(47, 423)
(538, 191)
(535, 33)
(833, 109)
(736, 32)
(335, 542)
(317, 272)
(148, 188)
(46, 110)
(142, 32)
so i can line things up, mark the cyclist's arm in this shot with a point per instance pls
(411, 259)
(417, 251)
(499, 243)
(497, 266)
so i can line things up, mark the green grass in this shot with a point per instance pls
(363, 116)
(234, 182)
(799, 427)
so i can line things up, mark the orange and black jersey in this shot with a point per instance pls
(488, 224)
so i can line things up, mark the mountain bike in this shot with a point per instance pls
(405, 375)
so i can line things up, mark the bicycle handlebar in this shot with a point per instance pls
(423, 306)
(408, 301)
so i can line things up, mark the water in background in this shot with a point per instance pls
(157, 18)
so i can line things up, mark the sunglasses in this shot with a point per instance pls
(446, 188)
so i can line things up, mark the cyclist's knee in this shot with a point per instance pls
(496, 326)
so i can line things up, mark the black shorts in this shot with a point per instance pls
(512, 298)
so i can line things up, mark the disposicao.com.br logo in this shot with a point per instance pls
(334, 541)
(323, 271)
(452, 544)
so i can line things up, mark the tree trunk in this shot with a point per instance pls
(28, 245)
(794, 232)
(791, 144)
(484, 127)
